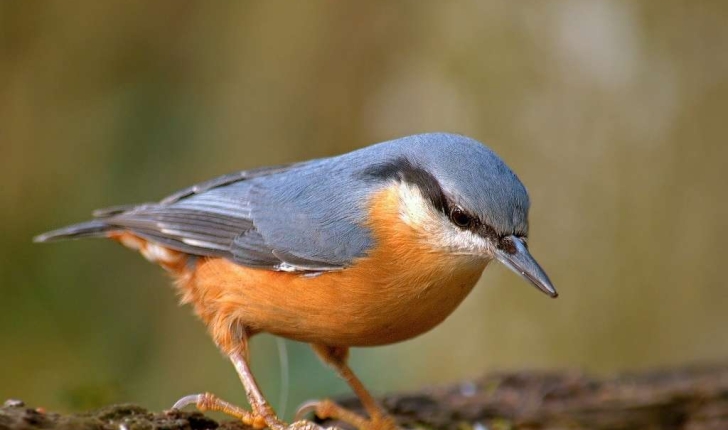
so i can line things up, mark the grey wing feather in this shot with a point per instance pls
(226, 180)
(214, 218)
(188, 230)
(256, 218)
(115, 210)
(251, 250)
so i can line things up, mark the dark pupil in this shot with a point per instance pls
(460, 218)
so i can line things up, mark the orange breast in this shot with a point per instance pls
(401, 289)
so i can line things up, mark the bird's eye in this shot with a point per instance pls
(460, 218)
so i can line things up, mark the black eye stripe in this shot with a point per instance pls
(402, 169)
(488, 232)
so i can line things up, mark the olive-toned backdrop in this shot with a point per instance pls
(613, 113)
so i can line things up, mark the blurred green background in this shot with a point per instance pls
(613, 113)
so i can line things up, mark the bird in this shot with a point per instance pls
(367, 248)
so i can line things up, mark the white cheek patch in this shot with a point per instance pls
(413, 209)
(435, 227)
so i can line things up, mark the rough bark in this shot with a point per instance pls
(694, 399)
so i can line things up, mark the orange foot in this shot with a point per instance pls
(258, 420)
(327, 409)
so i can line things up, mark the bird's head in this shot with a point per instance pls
(462, 197)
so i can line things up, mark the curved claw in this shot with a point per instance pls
(192, 399)
(305, 409)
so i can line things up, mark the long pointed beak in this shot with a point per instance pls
(525, 266)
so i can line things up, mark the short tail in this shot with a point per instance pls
(95, 228)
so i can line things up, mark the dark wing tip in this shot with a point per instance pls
(113, 210)
(51, 236)
(93, 228)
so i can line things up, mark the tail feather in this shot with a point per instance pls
(95, 228)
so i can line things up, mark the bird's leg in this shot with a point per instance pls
(262, 414)
(336, 357)
(255, 396)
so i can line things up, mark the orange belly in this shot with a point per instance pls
(360, 306)
(401, 289)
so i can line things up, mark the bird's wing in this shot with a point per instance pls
(254, 218)
(229, 179)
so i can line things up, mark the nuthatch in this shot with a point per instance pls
(367, 248)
